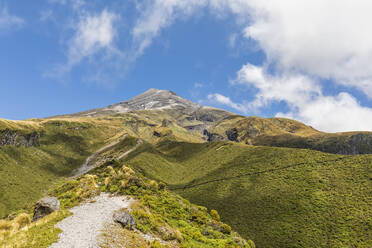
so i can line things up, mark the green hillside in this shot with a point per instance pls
(171, 220)
(28, 169)
(279, 197)
(282, 132)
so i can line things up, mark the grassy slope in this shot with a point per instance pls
(158, 212)
(321, 200)
(26, 173)
(281, 132)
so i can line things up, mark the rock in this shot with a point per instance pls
(45, 206)
(212, 136)
(206, 117)
(14, 138)
(232, 134)
(124, 219)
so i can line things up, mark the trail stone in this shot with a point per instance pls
(124, 218)
(45, 206)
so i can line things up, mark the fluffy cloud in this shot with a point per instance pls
(8, 21)
(93, 33)
(295, 89)
(93, 40)
(329, 39)
(224, 100)
(305, 99)
(157, 15)
(334, 113)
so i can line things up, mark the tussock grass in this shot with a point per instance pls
(39, 234)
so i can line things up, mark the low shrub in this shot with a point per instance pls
(22, 220)
(215, 216)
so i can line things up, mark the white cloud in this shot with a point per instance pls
(94, 35)
(295, 89)
(305, 99)
(224, 100)
(159, 14)
(8, 21)
(334, 114)
(330, 39)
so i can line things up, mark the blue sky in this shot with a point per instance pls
(250, 57)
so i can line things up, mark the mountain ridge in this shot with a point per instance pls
(169, 115)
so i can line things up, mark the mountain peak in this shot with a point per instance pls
(153, 91)
(150, 99)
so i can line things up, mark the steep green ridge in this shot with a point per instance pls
(279, 197)
(61, 146)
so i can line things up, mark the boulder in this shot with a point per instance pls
(233, 134)
(124, 219)
(45, 206)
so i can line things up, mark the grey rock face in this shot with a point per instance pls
(124, 219)
(360, 144)
(45, 206)
(355, 144)
(10, 137)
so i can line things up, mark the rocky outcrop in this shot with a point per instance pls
(360, 143)
(14, 138)
(212, 136)
(45, 206)
(232, 134)
(124, 219)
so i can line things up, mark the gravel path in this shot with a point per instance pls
(139, 142)
(82, 229)
(87, 166)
